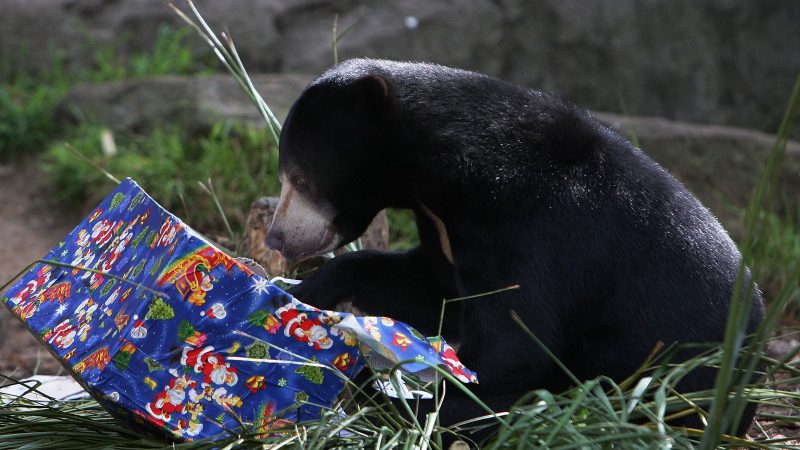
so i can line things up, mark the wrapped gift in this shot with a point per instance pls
(166, 330)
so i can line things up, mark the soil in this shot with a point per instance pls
(31, 224)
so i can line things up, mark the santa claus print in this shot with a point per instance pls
(170, 400)
(217, 311)
(139, 331)
(456, 367)
(63, 335)
(299, 326)
(166, 234)
(211, 365)
(102, 232)
(33, 287)
(119, 246)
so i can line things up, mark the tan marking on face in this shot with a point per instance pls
(285, 200)
(306, 226)
(444, 240)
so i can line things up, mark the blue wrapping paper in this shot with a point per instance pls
(166, 330)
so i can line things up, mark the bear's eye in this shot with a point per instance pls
(299, 182)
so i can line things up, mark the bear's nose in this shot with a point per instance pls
(275, 239)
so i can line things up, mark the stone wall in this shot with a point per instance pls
(714, 61)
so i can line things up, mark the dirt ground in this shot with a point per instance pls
(31, 224)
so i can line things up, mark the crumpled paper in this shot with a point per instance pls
(167, 331)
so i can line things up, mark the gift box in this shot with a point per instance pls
(165, 330)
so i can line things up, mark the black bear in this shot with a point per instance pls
(509, 186)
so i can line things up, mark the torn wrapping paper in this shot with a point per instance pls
(166, 330)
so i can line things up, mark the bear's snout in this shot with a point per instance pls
(301, 226)
(276, 239)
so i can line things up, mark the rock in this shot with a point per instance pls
(716, 61)
(377, 234)
(191, 103)
(255, 238)
(720, 165)
(416, 30)
(32, 32)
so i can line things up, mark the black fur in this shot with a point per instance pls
(611, 252)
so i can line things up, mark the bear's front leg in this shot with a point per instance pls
(404, 286)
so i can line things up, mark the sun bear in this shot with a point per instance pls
(509, 186)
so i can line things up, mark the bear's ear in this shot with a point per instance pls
(373, 89)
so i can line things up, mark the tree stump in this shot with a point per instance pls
(254, 245)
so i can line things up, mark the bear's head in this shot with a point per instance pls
(337, 164)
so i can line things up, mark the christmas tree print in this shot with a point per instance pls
(257, 350)
(160, 310)
(258, 318)
(157, 265)
(138, 269)
(136, 200)
(300, 397)
(107, 288)
(121, 360)
(185, 329)
(138, 239)
(116, 200)
(263, 318)
(123, 357)
(152, 364)
(151, 238)
(417, 334)
(311, 373)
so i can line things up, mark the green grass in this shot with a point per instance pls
(28, 100)
(402, 229)
(26, 113)
(170, 55)
(782, 250)
(595, 413)
(170, 165)
(736, 367)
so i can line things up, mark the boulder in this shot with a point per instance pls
(191, 103)
(33, 32)
(720, 165)
(461, 33)
(716, 61)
